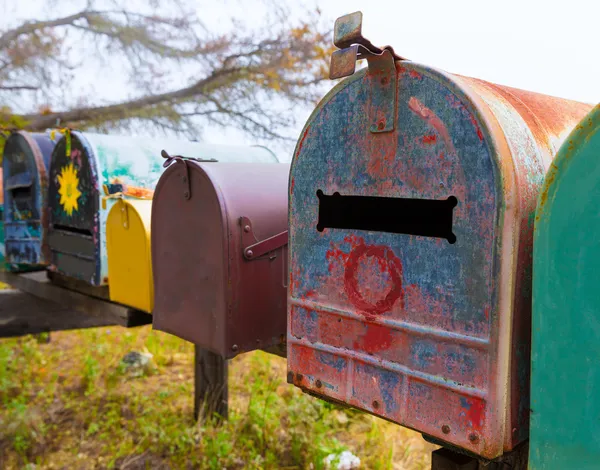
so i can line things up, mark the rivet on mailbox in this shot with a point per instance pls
(25, 182)
(410, 247)
(219, 254)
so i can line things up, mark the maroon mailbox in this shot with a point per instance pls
(219, 254)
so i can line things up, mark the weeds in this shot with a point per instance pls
(71, 404)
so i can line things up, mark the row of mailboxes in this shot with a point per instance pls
(565, 370)
(412, 200)
(88, 170)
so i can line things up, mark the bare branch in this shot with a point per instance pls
(17, 87)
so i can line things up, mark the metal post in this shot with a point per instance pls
(210, 385)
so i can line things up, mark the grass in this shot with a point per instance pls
(70, 404)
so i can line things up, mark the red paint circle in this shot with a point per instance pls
(394, 267)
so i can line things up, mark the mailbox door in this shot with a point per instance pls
(74, 230)
(25, 187)
(565, 371)
(128, 247)
(190, 253)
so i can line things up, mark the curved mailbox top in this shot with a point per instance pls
(86, 167)
(412, 194)
(565, 374)
(219, 254)
(25, 180)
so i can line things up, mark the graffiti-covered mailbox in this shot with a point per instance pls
(565, 371)
(412, 194)
(128, 231)
(219, 254)
(86, 168)
(25, 181)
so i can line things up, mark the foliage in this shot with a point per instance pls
(69, 404)
(184, 72)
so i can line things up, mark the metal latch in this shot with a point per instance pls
(381, 73)
(254, 249)
(185, 178)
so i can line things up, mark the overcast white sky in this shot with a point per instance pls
(548, 46)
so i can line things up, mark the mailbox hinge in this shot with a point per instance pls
(185, 178)
(254, 249)
(381, 73)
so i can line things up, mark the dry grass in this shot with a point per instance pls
(69, 404)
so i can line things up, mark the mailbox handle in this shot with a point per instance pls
(254, 249)
(270, 244)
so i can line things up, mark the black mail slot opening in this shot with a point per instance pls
(75, 230)
(21, 198)
(422, 217)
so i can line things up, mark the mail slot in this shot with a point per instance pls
(25, 182)
(412, 199)
(85, 168)
(128, 236)
(219, 254)
(565, 372)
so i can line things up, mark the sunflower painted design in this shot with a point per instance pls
(68, 188)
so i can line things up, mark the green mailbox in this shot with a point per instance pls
(565, 352)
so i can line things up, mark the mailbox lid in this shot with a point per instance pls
(565, 373)
(25, 164)
(205, 290)
(128, 247)
(412, 319)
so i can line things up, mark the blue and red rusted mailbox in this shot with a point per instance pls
(219, 254)
(25, 179)
(412, 199)
(85, 168)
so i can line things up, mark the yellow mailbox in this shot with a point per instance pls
(128, 249)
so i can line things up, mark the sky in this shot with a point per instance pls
(547, 46)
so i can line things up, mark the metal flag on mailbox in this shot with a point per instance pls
(25, 180)
(219, 254)
(82, 165)
(412, 194)
(565, 372)
(128, 231)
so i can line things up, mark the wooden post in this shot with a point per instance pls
(210, 385)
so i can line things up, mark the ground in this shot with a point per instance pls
(70, 403)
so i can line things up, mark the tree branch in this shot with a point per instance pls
(126, 109)
(33, 26)
(17, 87)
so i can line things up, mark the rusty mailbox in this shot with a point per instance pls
(25, 180)
(412, 199)
(219, 254)
(86, 169)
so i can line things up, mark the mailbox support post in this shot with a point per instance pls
(210, 385)
(446, 459)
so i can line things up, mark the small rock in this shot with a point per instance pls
(136, 362)
(346, 461)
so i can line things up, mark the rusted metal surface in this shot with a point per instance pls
(25, 187)
(207, 290)
(87, 172)
(431, 332)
